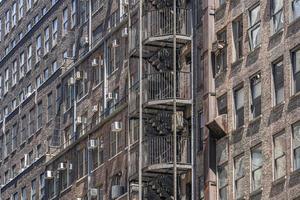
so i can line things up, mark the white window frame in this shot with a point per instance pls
(254, 26)
(14, 14)
(38, 51)
(65, 22)
(46, 40)
(14, 73)
(7, 22)
(73, 13)
(29, 57)
(22, 65)
(54, 32)
(21, 9)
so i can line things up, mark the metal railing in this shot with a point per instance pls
(161, 22)
(160, 85)
(159, 150)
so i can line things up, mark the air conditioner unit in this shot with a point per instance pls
(26, 160)
(101, 62)
(95, 108)
(126, 3)
(78, 75)
(61, 166)
(109, 96)
(49, 174)
(79, 120)
(70, 166)
(124, 32)
(71, 81)
(116, 126)
(93, 192)
(116, 191)
(115, 43)
(84, 41)
(94, 62)
(93, 143)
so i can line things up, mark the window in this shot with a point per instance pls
(32, 121)
(95, 5)
(23, 193)
(222, 182)
(47, 40)
(222, 104)
(296, 8)
(65, 21)
(49, 107)
(254, 27)
(58, 97)
(296, 145)
(38, 52)
(21, 9)
(278, 85)
(80, 158)
(8, 141)
(221, 54)
(29, 4)
(54, 66)
(39, 151)
(0, 29)
(296, 70)
(15, 197)
(14, 73)
(279, 155)
(6, 80)
(22, 65)
(13, 171)
(42, 186)
(14, 14)
(73, 13)
(54, 31)
(237, 27)
(277, 15)
(6, 177)
(39, 81)
(29, 57)
(7, 22)
(255, 82)
(33, 190)
(14, 131)
(201, 130)
(23, 127)
(14, 104)
(46, 73)
(40, 115)
(239, 107)
(256, 167)
(1, 88)
(113, 143)
(238, 176)
(101, 151)
(30, 157)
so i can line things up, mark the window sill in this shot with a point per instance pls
(237, 62)
(276, 33)
(113, 157)
(254, 50)
(296, 172)
(256, 192)
(67, 189)
(98, 167)
(274, 107)
(81, 179)
(82, 98)
(96, 86)
(255, 119)
(279, 180)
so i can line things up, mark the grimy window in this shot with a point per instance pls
(254, 27)
(278, 85)
(296, 70)
(239, 107)
(296, 8)
(256, 95)
(256, 167)
(237, 27)
(296, 145)
(279, 155)
(239, 173)
(277, 15)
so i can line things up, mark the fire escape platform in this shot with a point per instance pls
(168, 102)
(166, 40)
(167, 167)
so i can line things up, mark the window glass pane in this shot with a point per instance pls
(279, 145)
(297, 61)
(239, 186)
(277, 5)
(222, 176)
(257, 175)
(239, 168)
(222, 155)
(239, 98)
(254, 15)
(223, 194)
(296, 8)
(256, 158)
(297, 158)
(296, 135)
(280, 167)
(255, 35)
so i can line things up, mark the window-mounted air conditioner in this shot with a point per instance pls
(62, 166)
(71, 81)
(78, 75)
(49, 174)
(115, 43)
(124, 32)
(93, 143)
(116, 126)
(94, 62)
(109, 96)
(95, 108)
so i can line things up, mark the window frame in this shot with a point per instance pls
(253, 27)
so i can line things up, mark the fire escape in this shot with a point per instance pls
(160, 100)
